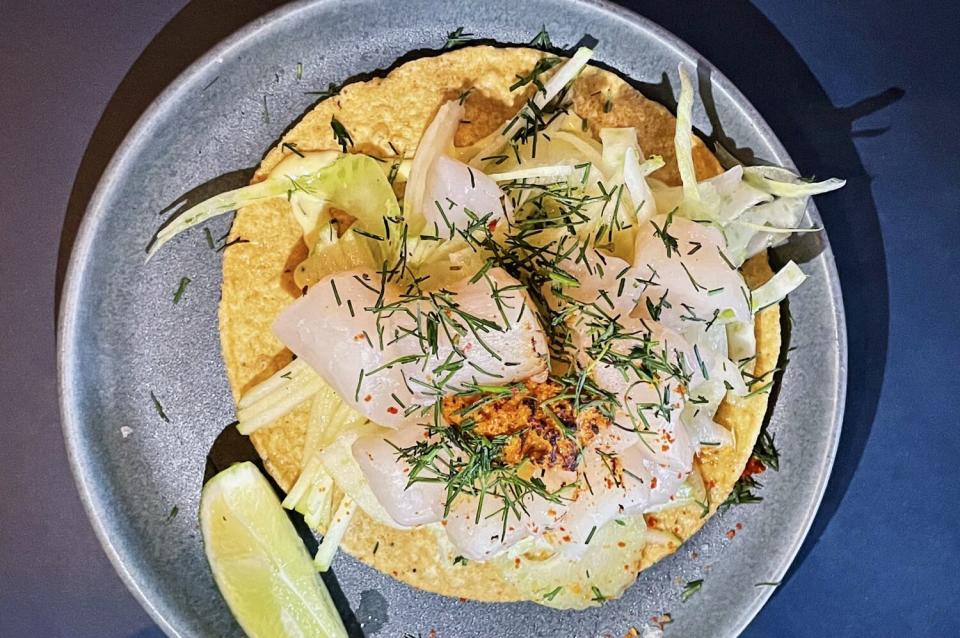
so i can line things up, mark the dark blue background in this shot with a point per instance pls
(862, 90)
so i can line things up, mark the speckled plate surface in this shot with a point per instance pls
(122, 337)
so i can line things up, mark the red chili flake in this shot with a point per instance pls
(754, 466)
(358, 336)
(392, 410)
(621, 544)
(516, 562)
(653, 483)
(368, 398)
(731, 533)
(739, 525)
(492, 225)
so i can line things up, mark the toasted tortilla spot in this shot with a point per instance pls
(396, 109)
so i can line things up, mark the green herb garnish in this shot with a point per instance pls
(323, 94)
(340, 134)
(158, 407)
(181, 288)
(457, 37)
(553, 593)
(542, 40)
(690, 589)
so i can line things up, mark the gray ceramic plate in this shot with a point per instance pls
(121, 337)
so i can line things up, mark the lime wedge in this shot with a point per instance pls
(259, 562)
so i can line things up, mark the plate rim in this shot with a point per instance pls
(71, 296)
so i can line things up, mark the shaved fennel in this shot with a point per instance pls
(537, 175)
(436, 140)
(778, 287)
(683, 138)
(287, 390)
(782, 183)
(564, 74)
(218, 205)
(335, 531)
(338, 461)
(635, 177)
(312, 493)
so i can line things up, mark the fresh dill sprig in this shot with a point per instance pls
(766, 452)
(323, 94)
(691, 588)
(598, 596)
(742, 493)
(533, 76)
(550, 595)
(292, 148)
(181, 288)
(457, 37)
(232, 242)
(470, 464)
(158, 407)
(340, 134)
(542, 40)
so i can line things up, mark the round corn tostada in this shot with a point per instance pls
(385, 118)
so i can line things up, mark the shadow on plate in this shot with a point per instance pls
(819, 136)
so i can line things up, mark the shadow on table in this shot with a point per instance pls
(197, 28)
(151, 631)
(756, 57)
(820, 137)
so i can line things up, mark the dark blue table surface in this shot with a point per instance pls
(863, 90)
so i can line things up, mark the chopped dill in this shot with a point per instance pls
(542, 40)
(550, 595)
(323, 94)
(457, 37)
(158, 407)
(181, 288)
(292, 148)
(340, 134)
(690, 589)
